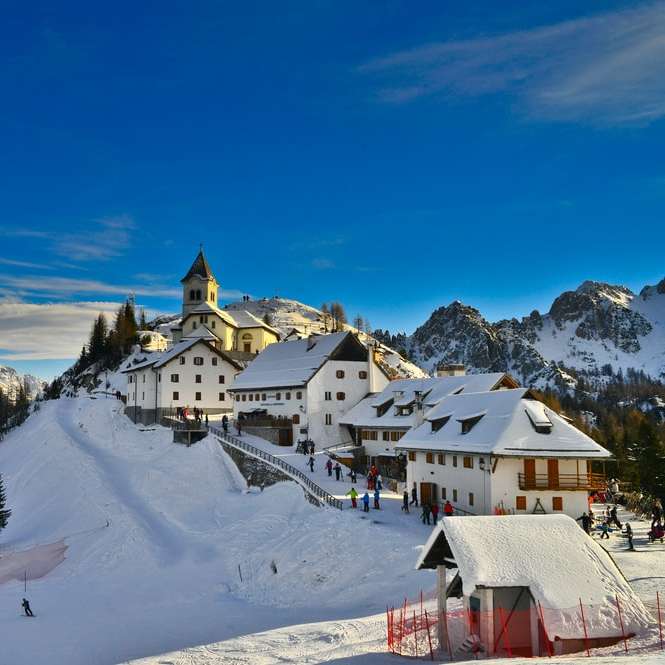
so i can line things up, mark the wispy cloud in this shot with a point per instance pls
(607, 69)
(24, 264)
(108, 238)
(33, 285)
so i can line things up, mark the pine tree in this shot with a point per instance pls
(5, 513)
(143, 323)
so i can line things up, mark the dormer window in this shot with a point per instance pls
(438, 423)
(538, 417)
(469, 423)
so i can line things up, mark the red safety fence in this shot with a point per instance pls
(517, 627)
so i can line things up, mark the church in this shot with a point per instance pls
(202, 316)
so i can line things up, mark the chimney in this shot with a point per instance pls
(311, 341)
(450, 369)
(418, 414)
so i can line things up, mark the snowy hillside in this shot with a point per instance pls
(596, 330)
(165, 573)
(11, 382)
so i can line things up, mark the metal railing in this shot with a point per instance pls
(287, 469)
(562, 481)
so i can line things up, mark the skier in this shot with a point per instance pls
(405, 501)
(338, 471)
(353, 476)
(354, 497)
(26, 608)
(225, 424)
(435, 512)
(329, 467)
(605, 530)
(377, 496)
(365, 502)
(311, 463)
(424, 515)
(311, 448)
(585, 520)
(414, 496)
(448, 509)
(613, 517)
(629, 534)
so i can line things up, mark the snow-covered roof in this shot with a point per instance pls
(549, 554)
(506, 427)
(402, 392)
(239, 318)
(202, 332)
(291, 363)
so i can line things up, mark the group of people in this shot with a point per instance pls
(374, 479)
(353, 494)
(337, 468)
(605, 521)
(198, 415)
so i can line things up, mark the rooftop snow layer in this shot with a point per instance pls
(505, 428)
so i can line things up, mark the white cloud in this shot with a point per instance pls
(30, 331)
(607, 69)
(24, 264)
(108, 238)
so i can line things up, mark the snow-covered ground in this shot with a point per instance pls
(165, 573)
(164, 577)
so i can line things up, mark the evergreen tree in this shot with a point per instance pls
(5, 513)
(143, 323)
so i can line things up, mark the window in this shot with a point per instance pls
(468, 462)
(192, 294)
(263, 397)
(278, 396)
(455, 496)
(454, 460)
(175, 378)
(244, 398)
(287, 395)
(520, 503)
(444, 496)
(295, 419)
(159, 378)
(396, 436)
(362, 374)
(251, 397)
(182, 360)
(429, 458)
(374, 435)
(386, 436)
(197, 378)
(212, 325)
(131, 379)
(327, 396)
(198, 294)
(469, 423)
(339, 373)
(441, 459)
(176, 396)
(212, 298)
(237, 398)
(201, 318)
(198, 360)
(328, 419)
(439, 423)
(193, 325)
(412, 456)
(143, 378)
(221, 378)
(471, 498)
(298, 395)
(222, 397)
(247, 336)
(143, 396)
(557, 503)
(341, 397)
(257, 397)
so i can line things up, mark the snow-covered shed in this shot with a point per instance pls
(526, 579)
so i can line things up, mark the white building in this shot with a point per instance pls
(501, 451)
(193, 373)
(379, 421)
(307, 385)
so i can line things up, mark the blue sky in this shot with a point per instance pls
(391, 155)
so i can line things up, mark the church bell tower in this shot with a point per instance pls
(199, 285)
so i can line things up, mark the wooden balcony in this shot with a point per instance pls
(562, 481)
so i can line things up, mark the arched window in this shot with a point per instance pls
(191, 294)
(247, 336)
(198, 294)
(212, 296)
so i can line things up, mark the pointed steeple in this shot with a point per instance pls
(200, 268)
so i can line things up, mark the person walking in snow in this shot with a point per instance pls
(353, 476)
(414, 496)
(354, 497)
(225, 424)
(405, 501)
(629, 534)
(365, 502)
(239, 427)
(424, 515)
(311, 464)
(613, 517)
(379, 482)
(435, 512)
(329, 467)
(585, 521)
(605, 530)
(656, 514)
(448, 509)
(338, 471)
(206, 420)
(311, 448)
(377, 496)
(26, 608)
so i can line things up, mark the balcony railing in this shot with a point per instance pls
(562, 481)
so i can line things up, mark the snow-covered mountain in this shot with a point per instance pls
(595, 331)
(11, 382)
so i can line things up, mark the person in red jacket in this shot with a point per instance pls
(448, 509)
(435, 512)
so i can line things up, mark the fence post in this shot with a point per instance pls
(586, 636)
(388, 634)
(445, 621)
(542, 623)
(415, 632)
(660, 623)
(623, 632)
(429, 637)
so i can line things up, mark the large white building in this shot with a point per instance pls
(193, 373)
(501, 451)
(378, 422)
(307, 385)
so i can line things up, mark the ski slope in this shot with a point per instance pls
(157, 536)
